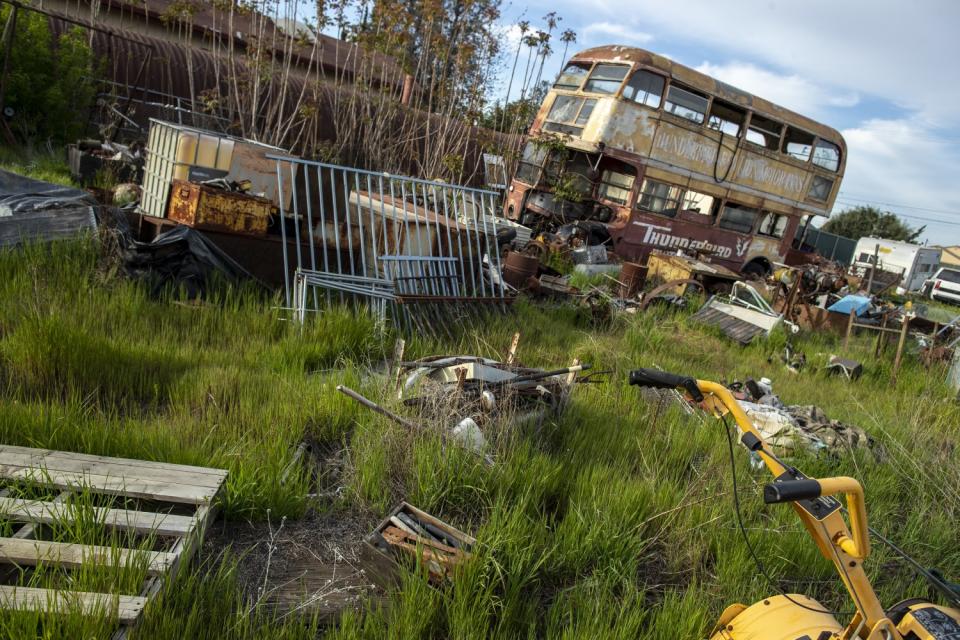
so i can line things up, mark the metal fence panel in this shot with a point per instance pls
(382, 237)
(830, 245)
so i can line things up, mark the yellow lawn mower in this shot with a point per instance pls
(799, 617)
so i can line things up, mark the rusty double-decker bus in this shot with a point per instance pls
(669, 158)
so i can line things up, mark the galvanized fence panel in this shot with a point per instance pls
(830, 245)
(350, 233)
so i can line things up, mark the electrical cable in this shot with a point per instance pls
(939, 584)
(733, 157)
(746, 538)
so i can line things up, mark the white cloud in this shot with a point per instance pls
(791, 91)
(899, 51)
(902, 164)
(613, 33)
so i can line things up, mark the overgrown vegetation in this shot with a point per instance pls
(50, 78)
(612, 521)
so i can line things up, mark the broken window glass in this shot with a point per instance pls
(531, 162)
(696, 202)
(616, 183)
(773, 225)
(764, 132)
(644, 88)
(659, 197)
(572, 76)
(826, 155)
(736, 217)
(686, 104)
(797, 144)
(726, 118)
(569, 114)
(606, 78)
(579, 174)
(820, 188)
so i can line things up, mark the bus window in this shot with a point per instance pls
(764, 132)
(696, 202)
(569, 114)
(797, 144)
(686, 104)
(736, 217)
(572, 76)
(659, 197)
(826, 155)
(644, 88)
(578, 174)
(726, 118)
(531, 161)
(606, 78)
(773, 225)
(616, 181)
(820, 188)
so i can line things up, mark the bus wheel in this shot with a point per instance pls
(756, 270)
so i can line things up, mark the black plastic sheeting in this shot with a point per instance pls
(33, 210)
(182, 258)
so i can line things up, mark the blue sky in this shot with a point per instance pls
(884, 73)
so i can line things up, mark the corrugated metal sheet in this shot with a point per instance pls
(733, 327)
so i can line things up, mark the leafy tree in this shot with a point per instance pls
(449, 46)
(870, 222)
(50, 85)
(518, 115)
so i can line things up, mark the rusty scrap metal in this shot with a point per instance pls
(654, 293)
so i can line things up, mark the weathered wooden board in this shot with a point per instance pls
(66, 554)
(126, 608)
(144, 522)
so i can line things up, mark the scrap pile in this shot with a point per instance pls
(469, 399)
(793, 428)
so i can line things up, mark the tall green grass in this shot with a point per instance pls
(613, 520)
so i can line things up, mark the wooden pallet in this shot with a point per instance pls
(173, 503)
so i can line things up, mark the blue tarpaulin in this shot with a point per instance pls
(860, 304)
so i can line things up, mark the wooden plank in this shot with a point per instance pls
(66, 554)
(112, 485)
(130, 473)
(126, 608)
(64, 461)
(144, 522)
(86, 457)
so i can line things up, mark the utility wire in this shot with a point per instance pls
(846, 196)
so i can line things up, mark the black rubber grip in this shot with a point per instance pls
(791, 490)
(663, 380)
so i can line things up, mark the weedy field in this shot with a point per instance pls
(614, 521)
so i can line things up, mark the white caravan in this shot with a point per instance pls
(916, 262)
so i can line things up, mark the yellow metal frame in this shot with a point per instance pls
(845, 549)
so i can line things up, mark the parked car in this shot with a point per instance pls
(944, 285)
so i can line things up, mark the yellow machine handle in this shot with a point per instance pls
(699, 390)
(811, 489)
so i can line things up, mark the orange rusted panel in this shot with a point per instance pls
(205, 207)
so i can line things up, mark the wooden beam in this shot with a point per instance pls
(143, 522)
(65, 554)
(126, 608)
(111, 485)
(100, 465)
(86, 457)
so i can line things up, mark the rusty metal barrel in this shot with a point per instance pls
(518, 268)
(632, 277)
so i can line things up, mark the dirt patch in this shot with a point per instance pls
(304, 567)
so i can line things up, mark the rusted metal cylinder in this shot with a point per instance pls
(632, 277)
(518, 268)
